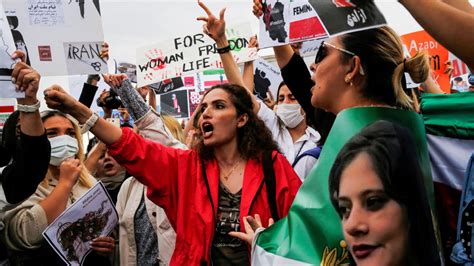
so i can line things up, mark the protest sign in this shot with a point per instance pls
(91, 216)
(167, 85)
(267, 78)
(61, 37)
(194, 98)
(422, 41)
(175, 103)
(459, 67)
(189, 54)
(289, 21)
(310, 48)
(7, 48)
(285, 22)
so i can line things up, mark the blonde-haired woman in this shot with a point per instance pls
(67, 179)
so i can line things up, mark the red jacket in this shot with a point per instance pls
(176, 182)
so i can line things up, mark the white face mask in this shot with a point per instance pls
(62, 148)
(290, 114)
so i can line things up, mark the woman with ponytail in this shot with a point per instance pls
(365, 68)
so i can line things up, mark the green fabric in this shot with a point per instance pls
(449, 115)
(312, 224)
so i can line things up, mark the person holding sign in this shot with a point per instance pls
(67, 179)
(288, 123)
(206, 192)
(376, 186)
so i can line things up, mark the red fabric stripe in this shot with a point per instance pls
(7, 109)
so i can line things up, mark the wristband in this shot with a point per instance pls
(28, 108)
(90, 123)
(223, 50)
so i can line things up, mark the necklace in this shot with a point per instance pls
(226, 176)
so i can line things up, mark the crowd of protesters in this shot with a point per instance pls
(198, 195)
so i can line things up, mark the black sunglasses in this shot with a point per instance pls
(321, 54)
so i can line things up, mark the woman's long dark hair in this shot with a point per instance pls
(391, 149)
(253, 138)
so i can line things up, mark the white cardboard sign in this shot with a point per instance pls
(61, 37)
(189, 54)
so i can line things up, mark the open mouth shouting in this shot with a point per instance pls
(207, 129)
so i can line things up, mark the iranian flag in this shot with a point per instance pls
(5, 111)
(311, 234)
(213, 77)
(449, 123)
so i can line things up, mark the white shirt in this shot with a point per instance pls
(289, 149)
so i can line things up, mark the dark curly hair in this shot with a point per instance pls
(253, 138)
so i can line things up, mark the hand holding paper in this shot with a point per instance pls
(257, 8)
(103, 245)
(19, 54)
(26, 80)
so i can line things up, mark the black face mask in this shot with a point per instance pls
(10, 139)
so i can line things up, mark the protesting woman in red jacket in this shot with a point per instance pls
(206, 192)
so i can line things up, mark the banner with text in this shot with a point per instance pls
(189, 54)
(290, 21)
(61, 37)
(422, 41)
(7, 48)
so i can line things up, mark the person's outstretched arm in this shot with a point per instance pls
(31, 157)
(456, 34)
(215, 28)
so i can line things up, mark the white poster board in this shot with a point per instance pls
(290, 21)
(91, 216)
(189, 54)
(7, 48)
(61, 37)
(267, 77)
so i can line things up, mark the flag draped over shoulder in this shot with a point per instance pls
(311, 234)
(449, 123)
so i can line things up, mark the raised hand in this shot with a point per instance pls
(253, 42)
(214, 27)
(104, 52)
(57, 98)
(69, 171)
(251, 225)
(19, 54)
(103, 245)
(257, 8)
(27, 80)
(114, 80)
